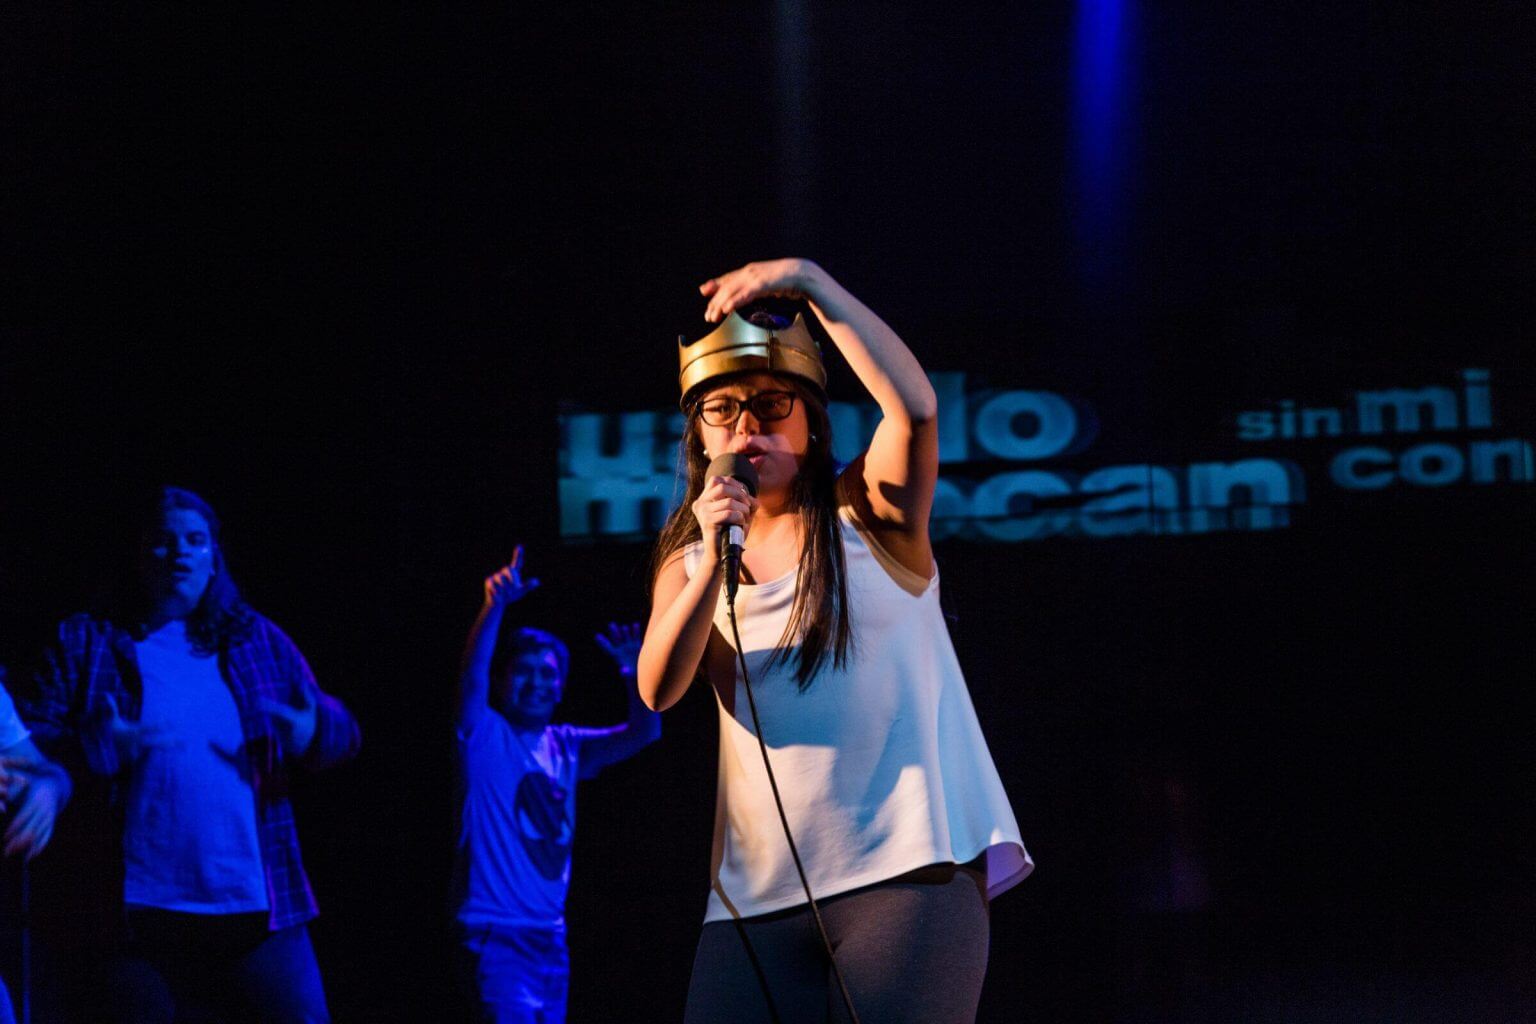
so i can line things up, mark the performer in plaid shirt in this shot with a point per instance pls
(193, 709)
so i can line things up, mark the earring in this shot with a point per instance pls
(815, 439)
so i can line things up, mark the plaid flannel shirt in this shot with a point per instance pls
(93, 658)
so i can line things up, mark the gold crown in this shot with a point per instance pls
(739, 346)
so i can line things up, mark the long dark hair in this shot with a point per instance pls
(221, 616)
(818, 621)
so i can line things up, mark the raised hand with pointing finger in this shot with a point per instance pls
(506, 585)
(502, 588)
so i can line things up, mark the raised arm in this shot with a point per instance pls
(504, 587)
(892, 483)
(603, 747)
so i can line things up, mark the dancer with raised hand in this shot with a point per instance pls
(896, 808)
(518, 775)
(195, 710)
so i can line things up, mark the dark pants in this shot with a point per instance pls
(186, 968)
(913, 949)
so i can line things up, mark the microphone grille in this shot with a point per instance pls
(734, 464)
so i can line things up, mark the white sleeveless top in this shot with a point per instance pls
(881, 765)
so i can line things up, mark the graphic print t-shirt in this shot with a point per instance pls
(517, 821)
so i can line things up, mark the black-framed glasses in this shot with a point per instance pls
(766, 407)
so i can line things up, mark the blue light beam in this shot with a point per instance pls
(1101, 132)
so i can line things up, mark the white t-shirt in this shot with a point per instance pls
(882, 765)
(517, 822)
(189, 838)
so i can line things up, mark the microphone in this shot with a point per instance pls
(739, 468)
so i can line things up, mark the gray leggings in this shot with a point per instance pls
(911, 949)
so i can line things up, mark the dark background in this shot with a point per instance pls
(336, 271)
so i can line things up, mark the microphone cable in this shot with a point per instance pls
(757, 726)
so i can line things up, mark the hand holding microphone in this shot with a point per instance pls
(725, 509)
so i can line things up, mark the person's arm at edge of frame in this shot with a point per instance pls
(35, 791)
